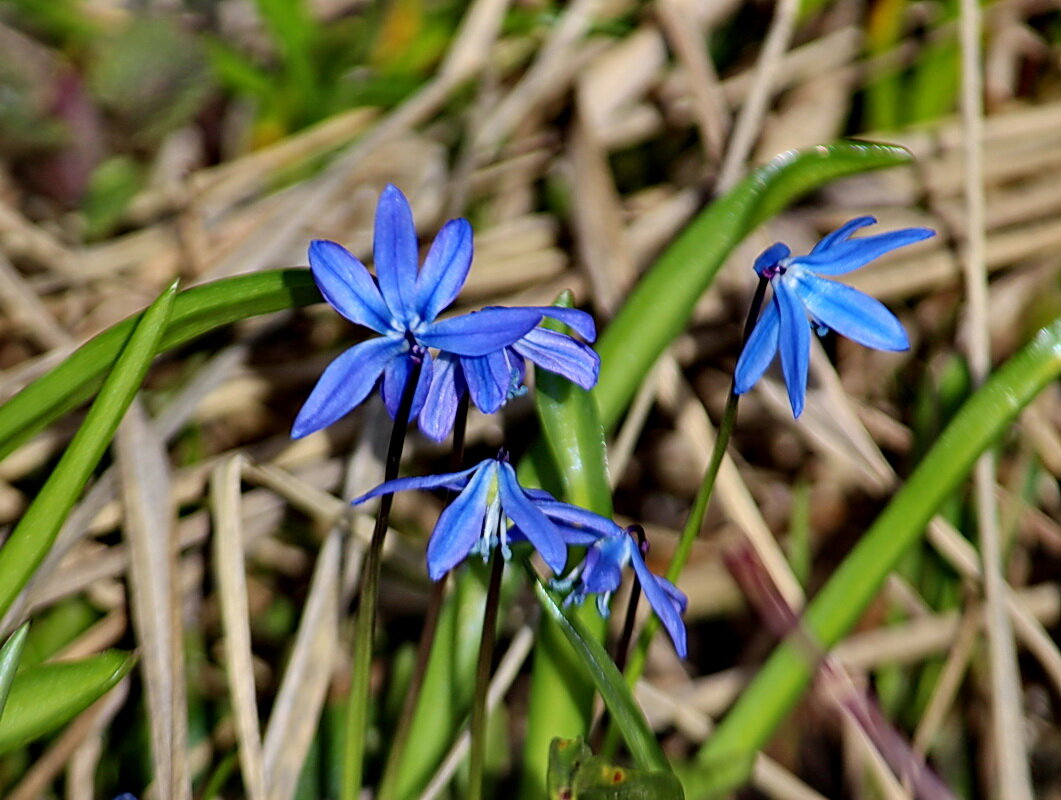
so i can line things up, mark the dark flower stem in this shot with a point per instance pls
(358, 701)
(477, 755)
(400, 739)
(696, 514)
(622, 647)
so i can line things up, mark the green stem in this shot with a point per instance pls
(477, 754)
(428, 631)
(696, 514)
(357, 707)
(780, 682)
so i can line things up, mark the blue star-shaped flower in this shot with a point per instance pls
(401, 306)
(610, 548)
(802, 298)
(493, 379)
(474, 523)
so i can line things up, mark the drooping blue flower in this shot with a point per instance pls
(610, 548)
(497, 377)
(475, 522)
(802, 298)
(402, 305)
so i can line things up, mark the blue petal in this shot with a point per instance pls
(663, 602)
(539, 494)
(480, 332)
(599, 527)
(602, 572)
(848, 311)
(534, 524)
(445, 268)
(460, 526)
(559, 353)
(759, 350)
(395, 253)
(794, 343)
(345, 383)
(443, 397)
(446, 480)
(843, 233)
(578, 321)
(489, 379)
(576, 537)
(771, 256)
(394, 378)
(843, 257)
(347, 285)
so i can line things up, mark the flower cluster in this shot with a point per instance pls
(482, 354)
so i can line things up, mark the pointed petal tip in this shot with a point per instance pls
(301, 430)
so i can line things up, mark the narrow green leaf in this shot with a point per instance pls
(834, 611)
(561, 700)
(10, 656)
(45, 697)
(27, 545)
(660, 306)
(609, 682)
(573, 432)
(195, 312)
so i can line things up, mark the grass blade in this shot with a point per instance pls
(779, 684)
(43, 698)
(10, 655)
(609, 682)
(195, 311)
(33, 536)
(561, 704)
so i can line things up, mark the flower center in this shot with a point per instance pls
(775, 270)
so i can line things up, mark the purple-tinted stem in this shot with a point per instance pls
(356, 717)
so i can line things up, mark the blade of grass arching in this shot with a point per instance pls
(659, 307)
(231, 577)
(43, 698)
(28, 544)
(10, 656)
(561, 701)
(780, 682)
(609, 682)
(149, 533)
(195, 311)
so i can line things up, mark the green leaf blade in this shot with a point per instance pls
(35, 532)
(10, 658)
(609, 682)
(834, 611)
(44, 698)
(195, 311)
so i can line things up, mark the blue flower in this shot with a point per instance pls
(610, 548)
(401, 305)
(474, 523)
(802, 298)
(497, 377)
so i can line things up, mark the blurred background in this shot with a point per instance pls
(140, 141)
